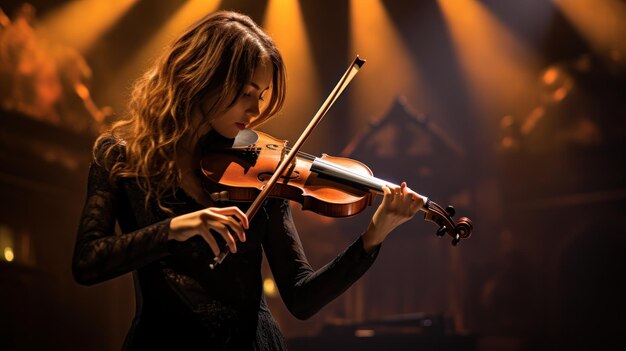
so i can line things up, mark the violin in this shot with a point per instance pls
(258, 166)
(327, 185)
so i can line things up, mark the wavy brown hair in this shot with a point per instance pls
(215, 57)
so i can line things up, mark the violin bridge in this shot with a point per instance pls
(290, 170)
(292, 164)
(283, 153)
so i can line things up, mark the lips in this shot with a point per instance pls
(241, 126)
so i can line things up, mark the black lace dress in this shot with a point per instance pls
(181, 303)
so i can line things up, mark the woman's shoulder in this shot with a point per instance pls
(109, 149)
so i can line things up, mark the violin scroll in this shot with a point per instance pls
(461, 229)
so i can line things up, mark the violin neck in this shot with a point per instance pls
(351, 178)
(343, 175)
(346, 176)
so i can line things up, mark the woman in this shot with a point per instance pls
(222, 75)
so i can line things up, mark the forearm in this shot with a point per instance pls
(312, 290)
(303, 289)
(372, 238)
(99, 257)
(100, 254)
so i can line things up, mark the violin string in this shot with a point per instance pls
(303, 154)
(353, 174)
(310, 157)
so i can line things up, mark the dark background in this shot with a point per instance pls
(511, 111)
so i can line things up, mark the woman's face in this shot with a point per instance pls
(246, 108)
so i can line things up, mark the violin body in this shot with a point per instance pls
(330, 186)
(240, 173)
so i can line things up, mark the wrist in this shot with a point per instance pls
(371, 238)
(174, 228)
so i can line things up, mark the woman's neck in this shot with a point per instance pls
(201, 144)
(188, 157)
(212, 141)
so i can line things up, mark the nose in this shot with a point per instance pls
(253, 110)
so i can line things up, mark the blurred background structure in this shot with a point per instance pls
(512, 111)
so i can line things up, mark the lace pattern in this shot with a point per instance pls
(223, 307)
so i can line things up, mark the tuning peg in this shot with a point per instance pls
(450, 211)
(441, 231)
(456, 240)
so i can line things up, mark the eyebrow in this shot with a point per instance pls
(257, 86)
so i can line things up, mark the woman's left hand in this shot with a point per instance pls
(398, 206)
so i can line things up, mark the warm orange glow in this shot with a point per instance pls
(8, 254)
(533, 118)
(560, 94)
(550, 75)
(79, 24)
(601, 22)
(364, 333)
(389, 71)
(557, 84)
(6, 243)
(499, 68)
(506, 122)
(285, 24)
(186, 15)
(82, 91)
(507, 142)
(269, 287)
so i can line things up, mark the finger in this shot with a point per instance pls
(222, 230)
(406, 191)
(225, 216)
(387, 194)
(236, 227)
(235, 211)
(208, 237)
(419, 200)
(416, 204)
(213, 214)
(397, 192)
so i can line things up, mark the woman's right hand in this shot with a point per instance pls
(220, 220)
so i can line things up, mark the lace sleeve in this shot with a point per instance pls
(100, 254)
(304, 290)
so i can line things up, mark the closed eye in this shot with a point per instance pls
(258, 88)
(261, 96)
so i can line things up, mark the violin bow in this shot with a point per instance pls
(347, 77)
